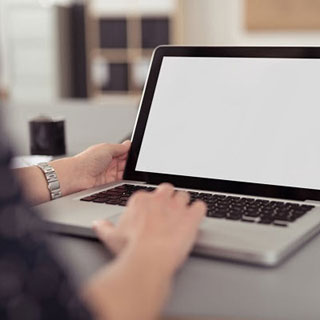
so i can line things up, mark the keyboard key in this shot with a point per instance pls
(89, 198)
(261, 202)
(218, 214)
(234, 215)
(99, 200)
(101, 195)
(115, 202)
(306, 207)
(280, 223)
(265, 221)
(247, 219)
(253, 213)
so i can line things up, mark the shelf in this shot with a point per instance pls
(108, 8)
(119, 56)
(116, 99)
(118, 95)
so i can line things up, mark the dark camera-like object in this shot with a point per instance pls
(47, 136)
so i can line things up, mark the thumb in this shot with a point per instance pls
(104, 230)
(120, 149)
(107, 234)
(127, 142)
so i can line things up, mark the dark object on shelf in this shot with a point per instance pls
(118, 77)
(47, 136)
(78, 52)
(113, 33)
(155, 32)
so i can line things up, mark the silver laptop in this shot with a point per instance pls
(236, 127)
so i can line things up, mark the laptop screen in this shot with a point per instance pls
(240, 119)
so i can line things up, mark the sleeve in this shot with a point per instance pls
(32, 283)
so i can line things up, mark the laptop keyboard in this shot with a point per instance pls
(249, 210)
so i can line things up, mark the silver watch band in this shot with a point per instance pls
(52, 179)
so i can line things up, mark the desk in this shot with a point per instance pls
(204, 287)
(209, 287)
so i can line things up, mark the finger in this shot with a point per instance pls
(165, 189)
(125, 155)
(193, 219)
(127, 142)
(106, 232)
(198, 210)
(120, 168)
(103, 229)
(182, 197)
(137, 197)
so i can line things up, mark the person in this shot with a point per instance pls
(150, 242)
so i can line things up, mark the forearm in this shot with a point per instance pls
(133, 288)
(35, 185)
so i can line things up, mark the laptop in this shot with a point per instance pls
(237, 127)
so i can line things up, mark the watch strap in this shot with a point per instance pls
(52, 180)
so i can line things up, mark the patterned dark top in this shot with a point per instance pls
(32, 284)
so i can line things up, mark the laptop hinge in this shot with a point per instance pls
(313, 202)
(135, 181)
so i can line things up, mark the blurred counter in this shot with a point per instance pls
(87, 122)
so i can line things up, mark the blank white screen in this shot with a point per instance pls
(240, 119)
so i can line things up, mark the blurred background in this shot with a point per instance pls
(88, 60)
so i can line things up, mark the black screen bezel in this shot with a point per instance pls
(202, 183)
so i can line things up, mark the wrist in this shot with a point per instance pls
(68, 175)
(152, 257)
(120, 290)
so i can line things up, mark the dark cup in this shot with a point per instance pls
(47, 136)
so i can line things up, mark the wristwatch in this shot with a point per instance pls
(52, 179)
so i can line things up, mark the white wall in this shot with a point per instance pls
(222, 22)
(131, 6)
(3, 52)
(30, 68)
(30, 50)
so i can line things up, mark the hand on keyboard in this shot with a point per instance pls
(159, 224)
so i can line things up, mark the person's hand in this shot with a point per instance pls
(101, 164)
(151, 240)
(157, 224)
